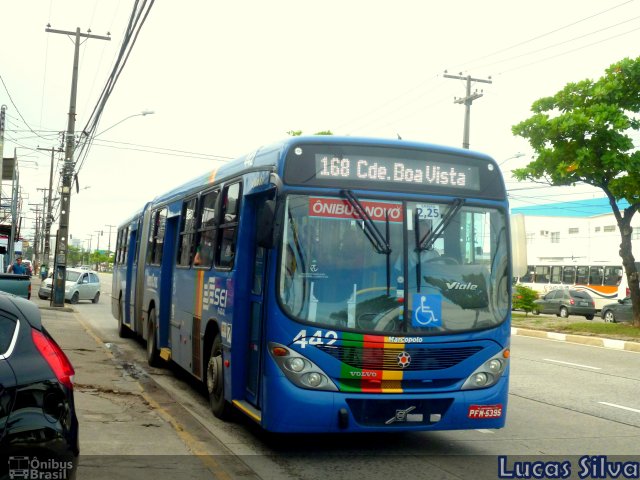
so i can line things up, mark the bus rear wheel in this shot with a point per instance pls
(123, 330)
(215, 381)
(153, 356)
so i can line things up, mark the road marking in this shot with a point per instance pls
(620, 406)
(572, 364)
(484, 430)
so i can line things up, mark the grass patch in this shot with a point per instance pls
(577, 326)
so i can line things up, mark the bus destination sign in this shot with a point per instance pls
(397, 170)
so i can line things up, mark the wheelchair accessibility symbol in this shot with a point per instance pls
(427, 311)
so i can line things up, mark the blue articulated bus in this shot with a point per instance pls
(330, 284)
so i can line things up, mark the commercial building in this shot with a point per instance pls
(577, 232)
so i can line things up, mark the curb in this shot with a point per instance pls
(579, 339)
(57, 309)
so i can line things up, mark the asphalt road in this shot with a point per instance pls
(565, 400)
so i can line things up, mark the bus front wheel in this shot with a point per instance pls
(215, 381)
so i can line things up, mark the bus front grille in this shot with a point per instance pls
(432, 358)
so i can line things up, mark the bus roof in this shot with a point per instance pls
(269, 157)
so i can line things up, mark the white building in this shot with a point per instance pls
(581, 232)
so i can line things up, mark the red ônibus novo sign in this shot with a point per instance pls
(338, 208)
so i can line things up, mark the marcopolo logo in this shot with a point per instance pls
(39, 469)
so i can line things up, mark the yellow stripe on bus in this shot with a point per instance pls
(199, 293)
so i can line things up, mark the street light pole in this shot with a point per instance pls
(141, 114)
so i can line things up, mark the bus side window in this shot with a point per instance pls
(528, 277)
(556, 274)
(156, 237)
(569, 275)
(187, 231)
(205, 243)
(582, 276)
(542, 274)
(612, 275)
(227, 233)
(595, 275)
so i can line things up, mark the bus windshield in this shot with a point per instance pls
(445, 269)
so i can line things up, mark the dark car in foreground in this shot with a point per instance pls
(621, 311)
(565, 302)
(38, 422)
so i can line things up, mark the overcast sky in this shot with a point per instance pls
(225, 78)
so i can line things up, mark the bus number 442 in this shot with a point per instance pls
(318, 338)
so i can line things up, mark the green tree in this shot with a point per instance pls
(297, 133)
(582, 135)
(523, 298)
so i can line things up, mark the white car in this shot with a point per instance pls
(80, 285)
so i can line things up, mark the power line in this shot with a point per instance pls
(538, 37)
(531, 52)
(16, 107)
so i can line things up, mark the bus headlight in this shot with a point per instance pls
(295, 364)
(489, 372)
(300, 370)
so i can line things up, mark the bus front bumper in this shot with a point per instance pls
(293, 409)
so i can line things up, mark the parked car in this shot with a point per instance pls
(19, 285)
(38, 422)
(565, 302)
(617, 312)
(80, 285)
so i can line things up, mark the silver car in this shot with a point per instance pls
(80, 285)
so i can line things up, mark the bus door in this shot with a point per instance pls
(256, 301)
(166, 280)
(132, 267)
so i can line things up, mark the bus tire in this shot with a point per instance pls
(589, 317)
(564, 313)
(215, 381)
(153, 355)
(123, 330)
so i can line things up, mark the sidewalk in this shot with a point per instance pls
(580, 339)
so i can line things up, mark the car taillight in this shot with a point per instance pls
(55, 357)
(29, 294)
(628, 292)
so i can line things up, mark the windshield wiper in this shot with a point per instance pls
(379, 242)
(426, 243)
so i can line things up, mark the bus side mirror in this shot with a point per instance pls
(265, 219)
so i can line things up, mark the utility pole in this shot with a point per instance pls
(14, 206)
(109, 247)
(62, 244)
(48, 215)
(467, 101)
(98, 234)
(3, 109)
(36, 238)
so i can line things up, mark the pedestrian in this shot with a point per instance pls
(17, 267)
(43, 271)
